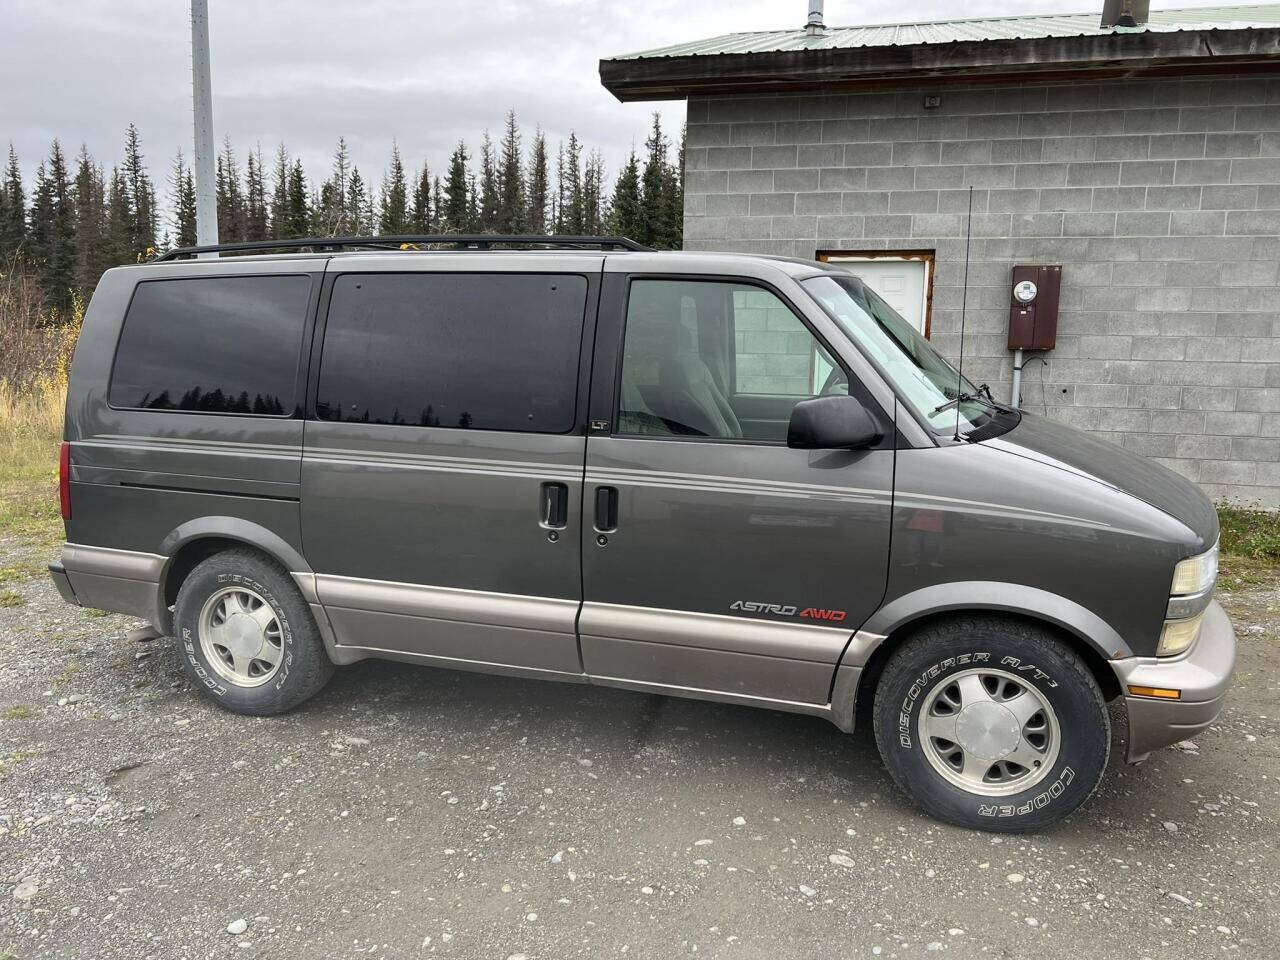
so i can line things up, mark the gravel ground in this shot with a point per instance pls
(411, 812)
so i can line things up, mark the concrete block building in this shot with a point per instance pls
(1144, 160)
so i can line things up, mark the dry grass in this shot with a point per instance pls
(30, 430)
(34, 363)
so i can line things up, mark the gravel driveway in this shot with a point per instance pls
(410, 812)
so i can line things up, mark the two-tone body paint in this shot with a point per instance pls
(425, 544)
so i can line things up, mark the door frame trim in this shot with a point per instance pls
(606, 390)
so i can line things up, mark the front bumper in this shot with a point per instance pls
(1202, 674)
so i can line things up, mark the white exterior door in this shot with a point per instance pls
(902, 283)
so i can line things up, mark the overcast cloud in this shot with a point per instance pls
(422, 73)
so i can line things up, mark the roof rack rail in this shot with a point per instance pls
(466, 241)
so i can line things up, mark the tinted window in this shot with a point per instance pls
(713, 359)
(219, 345)
(486, 351)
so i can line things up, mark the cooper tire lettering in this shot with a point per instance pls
(1029, 657)
(304, 666)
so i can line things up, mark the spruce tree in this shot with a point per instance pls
(255, 198)
(423, 210)
(280, 195)
(334, 212)
(182, 192)
(393, 214)
(653, 184)
(297, 215)
(232, 215)
(142, 195)
(488, 212)
(472, 223)
(670, 234)
(536, 218)
(571, 219)
(593, 198)
(51, 236)
(4, 219)
(625, 215)
(90, 225)
(558, 194)
(118, 241)
(13, 218)
(355, 205)
(456, 212)
(437, 205)
(511, 212)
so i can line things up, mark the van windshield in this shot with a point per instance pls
(923, 378)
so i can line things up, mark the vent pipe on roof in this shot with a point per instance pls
(814, 27)
(1125, 13)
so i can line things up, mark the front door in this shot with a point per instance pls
(715, 558)
(442, 464)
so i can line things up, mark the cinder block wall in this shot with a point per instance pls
(1161, 199)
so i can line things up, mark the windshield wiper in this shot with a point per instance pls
(964, 398)
(982, 395)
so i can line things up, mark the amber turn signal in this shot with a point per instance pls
(1161, 692)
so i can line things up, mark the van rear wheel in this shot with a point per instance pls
(992, 724)
(246, 635)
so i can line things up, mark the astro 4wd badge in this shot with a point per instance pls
(786, 610)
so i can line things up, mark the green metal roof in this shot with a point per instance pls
(956, 31)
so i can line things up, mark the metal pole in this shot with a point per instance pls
(814, 26)
(1017, 378)
(202, 110)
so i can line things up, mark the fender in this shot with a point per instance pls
(227, 528)
(987, 595)
(962, 595)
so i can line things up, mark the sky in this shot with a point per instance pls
(424, 73)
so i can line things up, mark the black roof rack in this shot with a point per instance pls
(464, 241)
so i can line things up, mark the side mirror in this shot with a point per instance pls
(831, 423)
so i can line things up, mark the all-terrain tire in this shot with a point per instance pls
(303, 665)
(990, 648)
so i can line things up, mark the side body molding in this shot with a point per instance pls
(989, 595)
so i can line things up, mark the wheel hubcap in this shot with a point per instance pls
(988, 732)
(240, 637)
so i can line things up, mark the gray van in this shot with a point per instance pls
(729, 477)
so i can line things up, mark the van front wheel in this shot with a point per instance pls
(992, 724)
(246, 635)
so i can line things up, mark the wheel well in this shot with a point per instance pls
(192, 554)
(874, 667)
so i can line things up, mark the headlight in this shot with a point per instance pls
(1177, 635)
(1195, 574)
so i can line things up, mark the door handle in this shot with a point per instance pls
(553, 505)
(606, 509)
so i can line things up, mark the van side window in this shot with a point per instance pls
(212, 345)
(707, 358)
(463, 350)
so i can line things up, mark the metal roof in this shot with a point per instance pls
(957, 31)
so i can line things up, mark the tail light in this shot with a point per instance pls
(64, 479)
